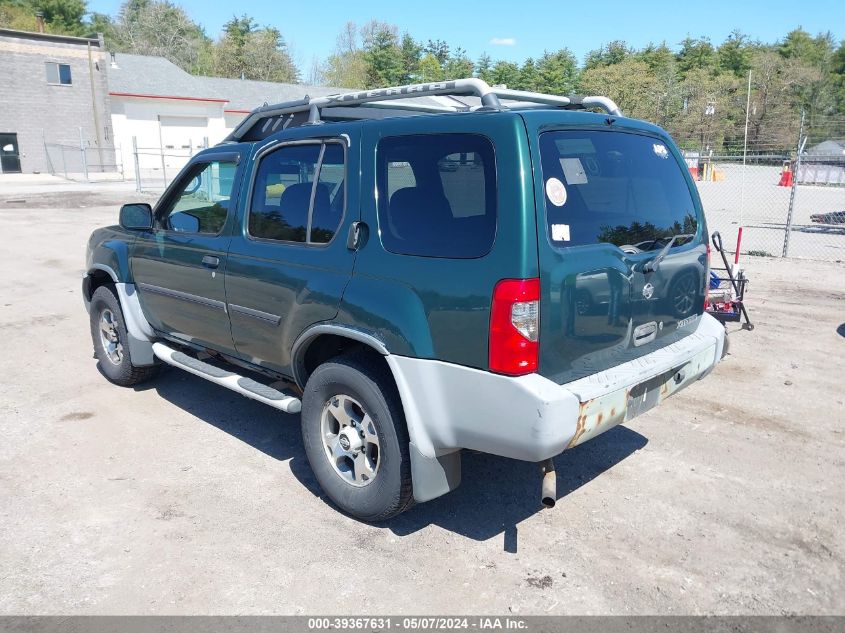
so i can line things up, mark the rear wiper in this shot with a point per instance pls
(653, 264)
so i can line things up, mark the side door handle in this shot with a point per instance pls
(210, 261)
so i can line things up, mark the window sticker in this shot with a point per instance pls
(560, 232)
(556, 192)
(573, 171)
(660, 150)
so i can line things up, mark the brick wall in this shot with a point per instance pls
(36, 110)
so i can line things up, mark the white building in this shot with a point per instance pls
(162, 106)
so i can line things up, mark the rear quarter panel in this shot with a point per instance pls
(431, 307)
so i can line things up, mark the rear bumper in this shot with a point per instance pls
(450, 407)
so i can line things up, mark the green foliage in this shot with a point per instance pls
(484, 68)
(65, 17)
(557, 72)
(612, 53)
(153, 27)
(696, 54)
(735, 54)
(383, 55)
(458, 65)
(505, 74)
(248, 52)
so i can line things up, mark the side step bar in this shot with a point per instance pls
(241, 384)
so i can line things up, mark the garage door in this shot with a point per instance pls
(181, 137)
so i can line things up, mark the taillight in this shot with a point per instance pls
(515, 327)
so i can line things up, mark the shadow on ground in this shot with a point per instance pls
(495, 493)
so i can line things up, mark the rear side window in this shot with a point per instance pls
(437, 195)
(613, 187)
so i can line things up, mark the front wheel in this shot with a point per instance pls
(355, 437)
(111, 341)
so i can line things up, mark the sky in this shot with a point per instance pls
(518, 29)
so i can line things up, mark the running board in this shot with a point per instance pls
(241, 384)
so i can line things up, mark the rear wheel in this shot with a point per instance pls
(108, 333)
(355, 437)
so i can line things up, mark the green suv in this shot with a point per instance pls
(419, 270)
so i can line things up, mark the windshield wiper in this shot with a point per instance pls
(653, 264)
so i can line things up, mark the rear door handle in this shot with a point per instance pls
(210, 261)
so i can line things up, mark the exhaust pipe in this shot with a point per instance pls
(548, 490)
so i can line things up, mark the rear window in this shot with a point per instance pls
(613, 187)
(437, 195)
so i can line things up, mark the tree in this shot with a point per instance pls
(505, 74)
(382, 55)
(246, 51)
(458, 65)
(773, 117)
(708, 113)
(484, 68)
(557, 72)
(346, 66)
(439, 49)
(630, 83)
(430, 69)
(66, 17)
(611, 53)
(529, 78)
(735, 54)
(411, 51)
(153, 27)
(696, 54)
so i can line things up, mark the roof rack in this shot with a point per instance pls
(490, 99)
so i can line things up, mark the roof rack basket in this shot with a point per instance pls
(490, 99)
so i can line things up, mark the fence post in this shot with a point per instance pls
(797, 166)
(137, 164)
(82, 152)
(64, 162)
(47, 153)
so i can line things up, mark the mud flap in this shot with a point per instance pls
(434, 476)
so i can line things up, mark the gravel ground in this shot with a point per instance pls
(182, 497)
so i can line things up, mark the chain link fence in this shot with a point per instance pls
(155, 167)
(84, 160)
(784, 201)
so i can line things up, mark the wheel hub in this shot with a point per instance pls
(110, 338)
(350, 440)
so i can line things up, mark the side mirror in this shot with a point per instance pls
(136, 217)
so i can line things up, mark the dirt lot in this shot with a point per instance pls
(182, 497)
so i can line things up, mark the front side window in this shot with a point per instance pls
(299, 194)
(202, 202)
(614, 187)
(437, 195)
(58, 74)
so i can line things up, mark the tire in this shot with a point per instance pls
(109, 336)
(372, 479)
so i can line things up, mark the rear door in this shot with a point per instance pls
(622, 248)
(288, 261)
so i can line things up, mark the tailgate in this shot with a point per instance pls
(622, 249)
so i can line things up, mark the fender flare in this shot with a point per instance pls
(434, 473)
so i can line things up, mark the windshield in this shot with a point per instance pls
(614, 187)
